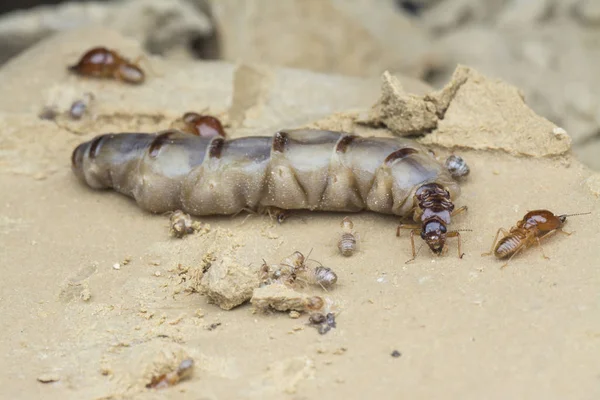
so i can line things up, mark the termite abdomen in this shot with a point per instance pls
(347, 244)
(508, 245)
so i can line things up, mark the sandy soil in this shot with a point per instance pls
(464, 328)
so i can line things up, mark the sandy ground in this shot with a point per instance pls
(465, 328)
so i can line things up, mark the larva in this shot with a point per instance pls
(293, 169)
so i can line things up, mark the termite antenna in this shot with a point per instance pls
(418, 250)
(572, 215)
(308, 256)
(463, 230)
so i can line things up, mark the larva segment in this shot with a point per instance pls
(298, 169)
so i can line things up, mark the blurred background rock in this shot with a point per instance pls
(548, 48)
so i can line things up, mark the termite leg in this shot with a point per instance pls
(459, 210)
(457, 235)
(412, 243)
(565, 232)
(406, 226)
(504, 232)
(541, 248)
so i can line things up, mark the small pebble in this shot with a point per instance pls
(116, 266)
(48, 378)
(396, 354)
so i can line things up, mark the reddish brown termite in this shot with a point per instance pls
(203, 125)
(534, 226)
(101, 62)
(433, 211)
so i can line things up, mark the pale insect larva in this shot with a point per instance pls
(457, 167)
(347, 242)
(296, 169)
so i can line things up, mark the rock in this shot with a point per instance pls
(477, 118)
(280, 297)
(229, 283)
(338, 36)
(593, 184)
(179, 23)
(406, 114)
(521, 12)
(587, 11)
(48, 378)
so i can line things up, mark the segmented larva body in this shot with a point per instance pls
(297, 169)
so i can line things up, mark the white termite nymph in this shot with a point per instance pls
(347, 242)
(457, 167)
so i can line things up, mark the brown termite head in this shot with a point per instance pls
(457, 167)
(434, 234)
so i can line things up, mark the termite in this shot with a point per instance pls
(323, 322)
(79, 107)
(183, 371)
(294, 268)
(534, 226)
(347, 242)
(291, 170)
(203, 125)
(433, 211)
(457, 167)
(101, 62)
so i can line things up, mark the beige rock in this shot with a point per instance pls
(467, 308)
(348, 37)
(588, 11)
(478, 118)
(520, 12)
(179, 22)
(593, 184)
(280, 297)
(406, 114)
(229, 283)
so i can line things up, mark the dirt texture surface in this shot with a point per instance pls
(99, 300)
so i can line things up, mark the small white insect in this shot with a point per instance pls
(457, 167)
(347, 242)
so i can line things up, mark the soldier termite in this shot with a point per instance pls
(347, 243)
(101, 62)
(457, 167)
(434, 209)
(203, 125)
(534, 226)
